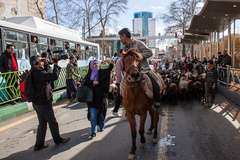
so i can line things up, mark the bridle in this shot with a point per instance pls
(128, 69)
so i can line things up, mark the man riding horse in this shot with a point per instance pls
(125, 38)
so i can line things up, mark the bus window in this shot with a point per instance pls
(10, 35)
(20, 42)
(34, 48)
(56, 45)
(34, 39)
(22, 37)
(72, 46)
(59, 43)
(18, 47)
(42, 40)
(38, 45)
(52, 42)
(88, 52)
(78, 47)
(95, 53)
(82, 52)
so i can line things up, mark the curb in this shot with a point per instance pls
(231, 95)
(20, 108)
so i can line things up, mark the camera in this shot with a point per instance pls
(60, 55)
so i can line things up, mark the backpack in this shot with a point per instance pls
(30, 91)
(22, 85)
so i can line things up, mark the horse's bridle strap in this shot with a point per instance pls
(133, 65)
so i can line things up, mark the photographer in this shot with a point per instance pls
(43, 105)
(47, 64)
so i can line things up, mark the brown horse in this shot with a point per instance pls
(135, 100)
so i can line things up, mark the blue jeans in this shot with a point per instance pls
(94, 120)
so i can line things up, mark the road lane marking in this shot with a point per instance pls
(31, 117)
(163, 134)
(17, 122)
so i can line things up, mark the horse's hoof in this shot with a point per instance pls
(148, 132)
(155, 140)
(131, 156)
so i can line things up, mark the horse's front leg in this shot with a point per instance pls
(132, 122)
(141, 128)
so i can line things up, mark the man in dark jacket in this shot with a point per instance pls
(8, 63)
(199, 68)
(210, 84)
(226, 59)
(43, 105)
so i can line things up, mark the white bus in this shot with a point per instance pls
(31, 36)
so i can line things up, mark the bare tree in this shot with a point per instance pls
(88, 9)
(180, 15)
(39, 9)
(64, 13)
(105, 10)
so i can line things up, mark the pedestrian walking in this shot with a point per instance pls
(43, 105)
(119, 75)
(99, 80)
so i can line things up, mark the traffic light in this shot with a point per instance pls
(175, 34)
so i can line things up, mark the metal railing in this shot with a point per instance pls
(229, 76)
(10, 83)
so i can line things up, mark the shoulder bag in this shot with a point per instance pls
(84, 93)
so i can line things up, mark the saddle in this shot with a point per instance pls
(146, 85)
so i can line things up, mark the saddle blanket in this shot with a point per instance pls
(146, 85)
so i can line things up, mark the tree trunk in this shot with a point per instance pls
(55, 9)
(39, 9)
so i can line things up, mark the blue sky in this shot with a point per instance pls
(156, 6)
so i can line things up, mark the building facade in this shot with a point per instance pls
(145, 25)
(13, 8)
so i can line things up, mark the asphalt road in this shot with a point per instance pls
(188, 132)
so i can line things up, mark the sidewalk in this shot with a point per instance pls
(11, 111)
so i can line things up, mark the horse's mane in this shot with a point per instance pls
(134, 53)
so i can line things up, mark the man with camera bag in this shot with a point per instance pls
(41, 78)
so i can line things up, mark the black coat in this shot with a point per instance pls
(199, 69)
(100, 91)
(226, 60)
(41, 82)
(6, 62)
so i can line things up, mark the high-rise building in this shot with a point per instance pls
(13, 8)
(145, 25)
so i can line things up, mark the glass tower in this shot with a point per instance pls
(144, 16)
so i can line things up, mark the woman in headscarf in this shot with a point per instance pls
(99, 79)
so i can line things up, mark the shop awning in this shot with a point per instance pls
(214, 17)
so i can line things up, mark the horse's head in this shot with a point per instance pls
(131, 63)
